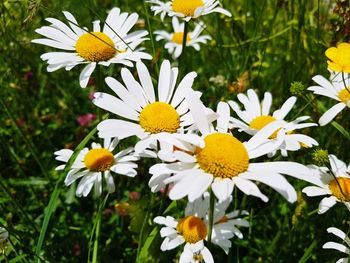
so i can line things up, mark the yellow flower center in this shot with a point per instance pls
(223, 156)
(192, 228)
(186, 7)
(95, 47)
(342, 194)
(261, 121)
(339, 57)
(159, 117)
(178, 37)
(344, 95)
(99, 160)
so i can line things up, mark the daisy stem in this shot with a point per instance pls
(211, 214)
(98, 228)
(151, 36)
(345, 86)
(184, 41)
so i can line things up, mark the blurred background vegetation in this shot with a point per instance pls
(266, 45)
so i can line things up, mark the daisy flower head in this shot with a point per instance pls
(192, 229)
(256, 115)
(174, 40)
(339, 246)
(221, 161)
(111, 44)
(93, 164)
(336, 189)
(339, 58)
(187, 9)
(149, 115)
(338, 89)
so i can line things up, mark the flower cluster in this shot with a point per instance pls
(198, 153)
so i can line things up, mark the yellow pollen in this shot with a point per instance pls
(192, 228)
(95, 47)
(159, 117)
(261, 121)
(178, 38)
(186, 7)
(99, 160)
(223, 156)
(343, 194)
(344, 95)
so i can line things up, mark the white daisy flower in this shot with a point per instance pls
(338, 246)
(148, 117)
(92, 164)
(221, 162)
(187, 9)
(337, 89)
(256, 115)
(174, 40)
(193, 229)
(111, 45)
(329, 186)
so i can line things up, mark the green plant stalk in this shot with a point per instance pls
(211, 214)
(151, 36)
(182, 57)
(51, 207)
(98, 229)
(140, 245)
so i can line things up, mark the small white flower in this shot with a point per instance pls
(148, 115)
(256, 116)
(187, 9)
(193, 229)
(338, 246)
(91, 165)
(111, 45)
(337, 89)
(221, 161)
(174, 40)
(328, 185)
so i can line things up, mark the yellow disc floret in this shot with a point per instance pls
(261, 121)
(223, 156)
(95, 47)
(344, 95)
(342, 194)
(339, 58)
(178, 38)
(186, 7)
(99, 160)
(159, 117)
(192, 228)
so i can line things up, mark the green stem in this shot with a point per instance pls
(182, 57)
(211, 214)
(140, 241)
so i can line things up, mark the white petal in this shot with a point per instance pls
(222, 188)
(86, 73)
(329, 115)
(326, 203)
